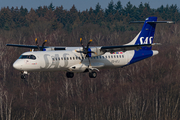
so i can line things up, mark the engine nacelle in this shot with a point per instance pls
(49, 49)
(97, 51)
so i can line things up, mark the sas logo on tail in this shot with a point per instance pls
(147, 40)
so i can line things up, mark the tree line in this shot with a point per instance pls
(148, 89)
(114, 14)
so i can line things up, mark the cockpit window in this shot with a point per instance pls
(27, 57)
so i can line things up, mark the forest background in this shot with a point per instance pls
(149, 89)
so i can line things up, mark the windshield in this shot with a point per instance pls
(27, 57)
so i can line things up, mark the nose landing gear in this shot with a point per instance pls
(24, 74)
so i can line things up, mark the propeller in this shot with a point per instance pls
(41, 49)
(86, 51)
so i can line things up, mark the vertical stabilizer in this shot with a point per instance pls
(146, 35)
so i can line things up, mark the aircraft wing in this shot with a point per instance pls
(24, 46)
(125, 47)
(35, 47)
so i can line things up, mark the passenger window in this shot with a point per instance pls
(64, 58)
(117, 56)
(73, 58)
(67, 58)
(61, 58)
(122, 56)
(108, 56)
(114, 56)
(58, 58)
(111, 56)
(97, 57)
(70, 58)
(53, 59)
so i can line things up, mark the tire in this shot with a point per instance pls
(69, 74)
(23, 77)
(92, 74)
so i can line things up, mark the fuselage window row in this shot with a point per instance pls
(75, 58)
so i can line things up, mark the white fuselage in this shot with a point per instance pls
(69, 60)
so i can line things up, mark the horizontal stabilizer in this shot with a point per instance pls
(156, 44)
(168, 22)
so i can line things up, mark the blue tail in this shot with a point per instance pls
(146, 35)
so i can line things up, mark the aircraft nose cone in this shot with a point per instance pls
(17, 65)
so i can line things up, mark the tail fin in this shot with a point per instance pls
(146, 35)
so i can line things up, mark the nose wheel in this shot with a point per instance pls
(24, 74)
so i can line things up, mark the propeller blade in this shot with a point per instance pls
(82, 59)
(43, 45)
(82, 43)
(37, 43)
(89, 43)
(81, 40)
(89, 62)
(79, 51)
(92, 52)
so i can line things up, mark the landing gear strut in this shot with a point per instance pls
(24, 74)
(69, 74)
(92, 74)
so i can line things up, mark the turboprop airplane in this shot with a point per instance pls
(88, 59)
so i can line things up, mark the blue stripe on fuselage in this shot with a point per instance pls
(140, 55)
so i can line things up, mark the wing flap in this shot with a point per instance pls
(124, 47)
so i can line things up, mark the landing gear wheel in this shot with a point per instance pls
(92, 74)
(23, 77)
(24, 74)
(69, 74)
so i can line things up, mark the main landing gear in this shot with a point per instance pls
(69, 74)
(24, 74)
(92, 74)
